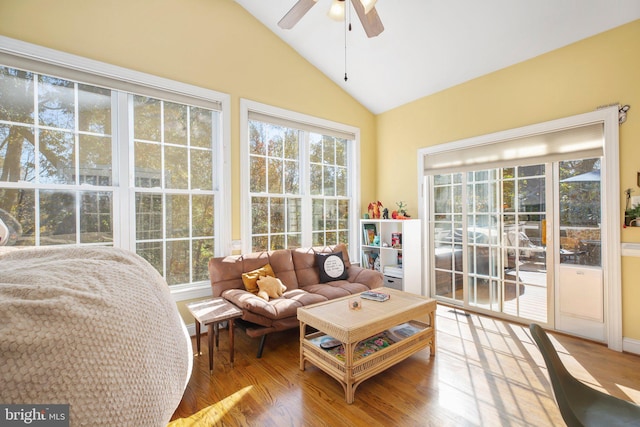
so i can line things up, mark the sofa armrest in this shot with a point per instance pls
(371, 278)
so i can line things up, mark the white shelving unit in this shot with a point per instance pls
(396, 252)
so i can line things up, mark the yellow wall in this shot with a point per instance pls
(214, 44)
(630, 297)
(600, 70)
(217, 45)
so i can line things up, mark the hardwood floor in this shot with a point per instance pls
(486, 372)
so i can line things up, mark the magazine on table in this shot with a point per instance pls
(325, 341)
(364, 348)
(405, 330)
(375, 296)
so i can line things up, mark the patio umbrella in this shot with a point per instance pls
(584, 177)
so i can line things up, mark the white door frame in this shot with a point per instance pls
(611, 249)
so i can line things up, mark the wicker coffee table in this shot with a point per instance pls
(337, 319)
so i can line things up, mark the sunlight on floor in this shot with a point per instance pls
(494, 347)
(494, 360)
(633, 394)
(212, 415)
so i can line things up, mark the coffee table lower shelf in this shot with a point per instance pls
(351, 369)
(350, 377)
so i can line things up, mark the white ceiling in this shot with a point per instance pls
(431, 45)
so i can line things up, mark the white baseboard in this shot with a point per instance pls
(630, 345)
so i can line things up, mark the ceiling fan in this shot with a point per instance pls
(365, 9)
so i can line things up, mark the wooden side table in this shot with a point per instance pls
(211, 313)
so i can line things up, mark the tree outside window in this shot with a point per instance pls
(297, 174)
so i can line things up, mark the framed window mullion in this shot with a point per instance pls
(76, 165)
(305, 191)
(465, 239)
(122, 151)
(36, 151)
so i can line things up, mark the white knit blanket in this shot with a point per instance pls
(92, 327)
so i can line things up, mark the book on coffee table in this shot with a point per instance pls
(405, 330)
(375, 296)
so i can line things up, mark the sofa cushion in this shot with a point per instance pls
(304, 261)
(336, 289)
(331, 267)
(250, 278)
(265, 312)
(225, 273)
(282, 265)
(372, 278)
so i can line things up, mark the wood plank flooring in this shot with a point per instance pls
(486, 372)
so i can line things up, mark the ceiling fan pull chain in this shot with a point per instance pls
(347, 11)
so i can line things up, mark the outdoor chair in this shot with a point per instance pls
(579, 404)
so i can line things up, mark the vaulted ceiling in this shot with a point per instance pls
(431, 45)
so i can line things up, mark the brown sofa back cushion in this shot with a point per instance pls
(225, 273)
(282, 265)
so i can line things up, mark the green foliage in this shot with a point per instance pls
(634, 212)
(579, 201)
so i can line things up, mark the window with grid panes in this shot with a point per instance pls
(299, 185)
(65, 181)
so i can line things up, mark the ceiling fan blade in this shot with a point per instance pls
(296, 13)
(370, 21)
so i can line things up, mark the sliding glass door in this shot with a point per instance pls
(489, 243)
(515, 224)
(490, 248)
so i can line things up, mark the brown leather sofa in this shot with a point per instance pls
(298, 271)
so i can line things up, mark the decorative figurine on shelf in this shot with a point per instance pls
(374, 209)
(385, 213)
(401, 213)
(631, 213)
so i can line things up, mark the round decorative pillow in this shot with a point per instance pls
(331, 267)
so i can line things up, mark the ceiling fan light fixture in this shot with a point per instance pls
(368, 5)
(336, 12)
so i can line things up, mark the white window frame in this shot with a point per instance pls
(354, 169)
(16, 53)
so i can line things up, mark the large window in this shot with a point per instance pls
(299, 180)
(112, 164)
(175, 200)
(56, 160)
